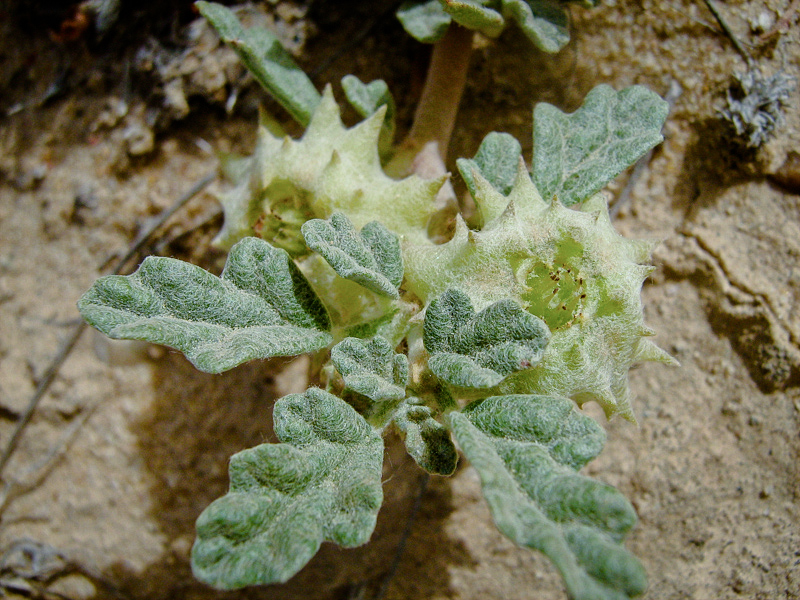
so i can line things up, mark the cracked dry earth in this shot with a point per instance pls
(130, 444)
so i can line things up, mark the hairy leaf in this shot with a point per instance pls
(497, 161)
(544, 22)
(370, 258)
(427, 440)
(568, 267)
(425, 21)
(476, 15)
(526, 450)
(479, 350)
(575, 155)
(371, 368)
(367, 99)
(268, 61)
(323, 483)
(261, 306)
(330, 169)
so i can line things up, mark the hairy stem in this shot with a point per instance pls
(444, 86)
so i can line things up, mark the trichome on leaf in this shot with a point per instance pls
(491, 340)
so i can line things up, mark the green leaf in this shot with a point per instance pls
(497, 161)
(367, 99)
(370, 258)
(425, 21)
(525, 449)
(575, 155)
(544, 22)
(475, 15)
(479, 350)
(261, 306)
(323, 483)
(427, 440)
(268, 61)
(371, 368)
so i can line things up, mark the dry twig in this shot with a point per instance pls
(69, 343)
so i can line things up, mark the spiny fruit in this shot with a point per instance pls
(331, 168)
(568, 267)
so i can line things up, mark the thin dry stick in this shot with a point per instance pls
(37, 473)
(783, 24)
(69, 343)
(729, 32)
(401, 547)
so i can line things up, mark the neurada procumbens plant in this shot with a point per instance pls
(488, 342)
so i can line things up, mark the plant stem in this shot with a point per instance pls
(444, 86)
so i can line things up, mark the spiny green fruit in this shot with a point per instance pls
(568, 267)
(331, 168)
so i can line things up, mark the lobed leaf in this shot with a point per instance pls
(371, 368)
(322, 483)
(371, 258)
(269, 62)
(261, 306)
(497, 161)
(526, 450)
(544, 22)
(425, 21)
(575, 155)
(427, 441)
(479, 350)
(475, 15)
(367, 99)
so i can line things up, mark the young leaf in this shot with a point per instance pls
(370, 258)
(268, 61)
(425, 21)
(497, 161)
(261, 306)
(479, 350)
(575, 155)
(475, 15)
(544, 22)
(427, 441)
(367, 99)
(371, 368)
(525, 449)
(323, 483)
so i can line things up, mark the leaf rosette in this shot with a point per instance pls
(530, 308)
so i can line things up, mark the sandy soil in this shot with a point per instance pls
(131, 444)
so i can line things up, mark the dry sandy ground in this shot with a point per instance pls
(101, 495)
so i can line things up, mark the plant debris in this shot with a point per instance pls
(755, 105)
